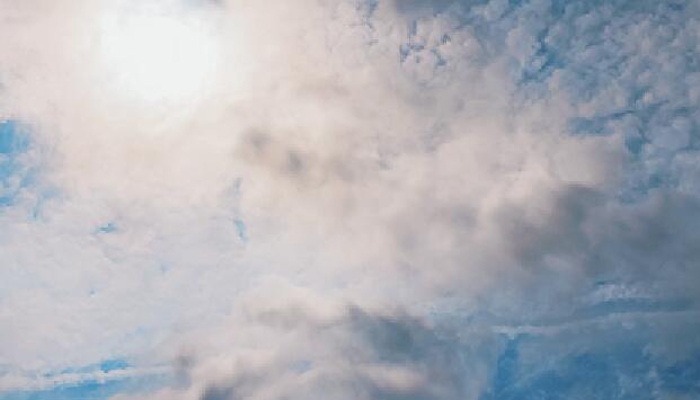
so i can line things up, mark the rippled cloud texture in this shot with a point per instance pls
(361, 199)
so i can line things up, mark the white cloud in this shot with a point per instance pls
(394, 155)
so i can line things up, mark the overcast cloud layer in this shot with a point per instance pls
(362, 199)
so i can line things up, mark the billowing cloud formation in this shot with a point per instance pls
(394, 199)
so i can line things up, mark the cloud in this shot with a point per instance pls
(301, 351)
(503, 191)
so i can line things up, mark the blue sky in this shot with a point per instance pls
(95, 382)
(385, 199)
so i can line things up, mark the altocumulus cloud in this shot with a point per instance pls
(366, 199)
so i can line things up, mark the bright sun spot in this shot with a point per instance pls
(158, 57)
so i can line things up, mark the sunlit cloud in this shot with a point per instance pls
(349, 200)
(157, 54)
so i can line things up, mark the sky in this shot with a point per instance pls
(349, 199)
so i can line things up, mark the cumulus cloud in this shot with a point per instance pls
(300, 350)
(362, 199)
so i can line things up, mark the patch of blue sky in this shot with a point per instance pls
(14, 174)
(13, 138)
(366, 9)
(302, 366)
(88, 390)
(640, 187)
(592, 352)
(101, 381)
(506, 367)
(682, 377)
(238, 221)
(45, 194)
(564, 361)
(528, 368)
(109, 227)
(589, 65)
(596, 126)
(114, 365)
(242, 229)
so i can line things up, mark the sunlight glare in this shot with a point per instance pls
(157, 57)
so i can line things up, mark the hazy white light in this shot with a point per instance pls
(158, 57)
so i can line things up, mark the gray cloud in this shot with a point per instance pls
(357, 354)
